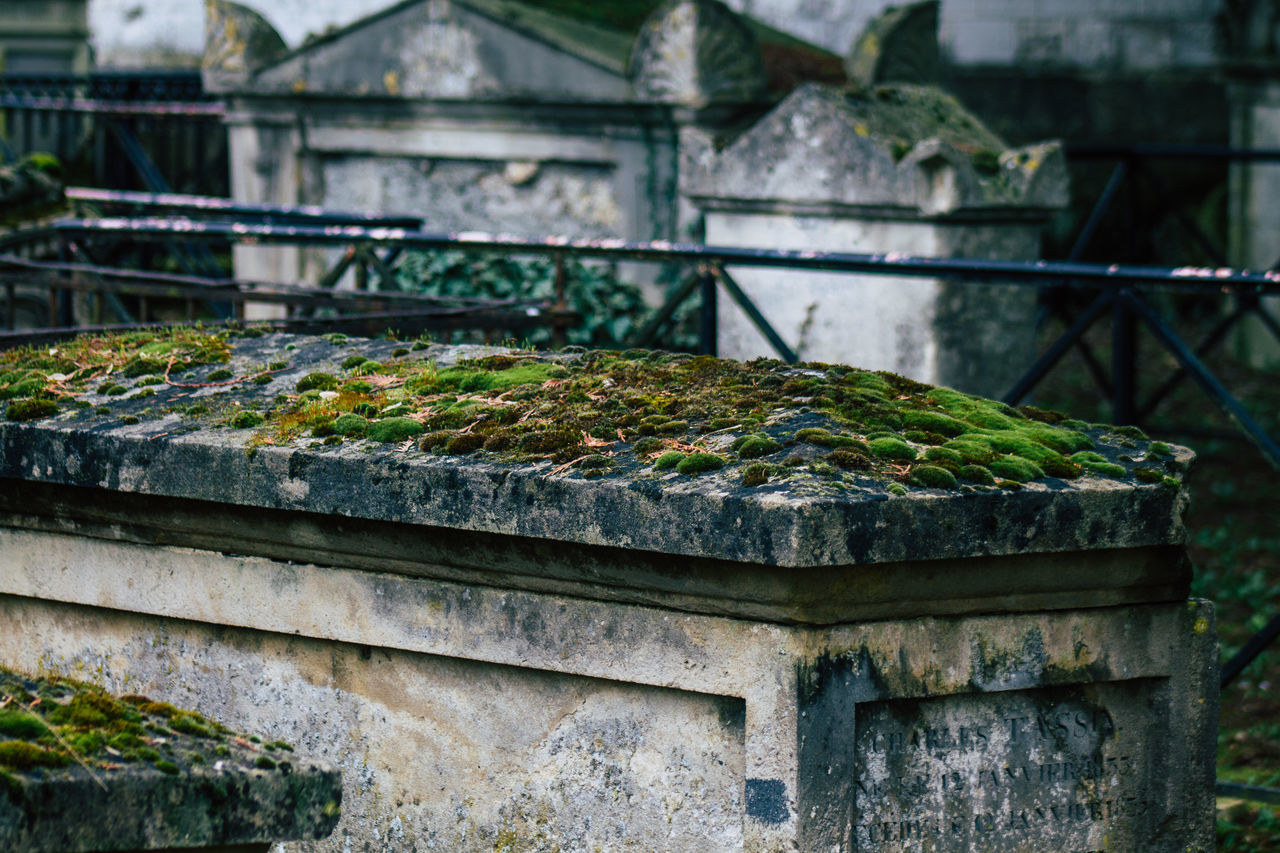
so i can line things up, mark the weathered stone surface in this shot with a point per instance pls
(798, 521)
(470, 715)
(902, 147)
(84, 772)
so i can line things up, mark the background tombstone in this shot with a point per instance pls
(509, 117)
(895, 168)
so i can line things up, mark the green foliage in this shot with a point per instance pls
(611, 310)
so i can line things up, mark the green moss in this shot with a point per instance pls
(20, 725)
(973, 449)
(245, 420)
(944, 456)
(524, 408)
(699, 463)
(165, 766)
(850, 460)
(934, 422)
(31, 409)
(463, 443)
(648, 446)
(265, 762)
(824, 438)
(897, 489)
(892, 449)
(670, 459)
(219, 375)
(351, 425)
(469, 379)
(20, 755)
(1142, 475)
(755, 475)
(1159, 448)
(755, 445)
(1105, 469)
(1016, 469)
(317, 381)
(140, 366)
(932, 477)
(1063, 469)
(976, 474)
(394, 429)
(191, 724)
(366, 368)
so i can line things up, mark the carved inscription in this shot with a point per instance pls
(1046, 769)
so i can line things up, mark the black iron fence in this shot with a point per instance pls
(155, 131)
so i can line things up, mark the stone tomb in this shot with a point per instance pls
(621, 601)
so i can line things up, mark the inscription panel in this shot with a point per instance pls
(1061, 769)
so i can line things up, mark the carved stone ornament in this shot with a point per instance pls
(898, 46)
(237, 39)
(696, 52)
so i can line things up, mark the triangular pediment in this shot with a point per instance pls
(465, 49)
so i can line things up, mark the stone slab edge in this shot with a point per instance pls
(703, 517)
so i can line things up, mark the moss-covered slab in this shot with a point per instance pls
(83, 770)
(759, 462)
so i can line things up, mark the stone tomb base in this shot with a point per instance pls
(469, 717)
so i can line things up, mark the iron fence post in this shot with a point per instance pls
(707, 313)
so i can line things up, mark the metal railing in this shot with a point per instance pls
(155, 130)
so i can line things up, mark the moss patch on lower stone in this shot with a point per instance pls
(52, 723)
